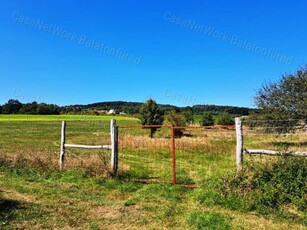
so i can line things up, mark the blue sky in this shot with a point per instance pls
(177, 52)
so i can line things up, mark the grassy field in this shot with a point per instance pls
(35, 195)
(21, 117)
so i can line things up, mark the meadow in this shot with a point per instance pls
(34, 194)
(21, 117)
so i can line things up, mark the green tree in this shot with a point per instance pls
(29, 108)
(207, 119)
(175, 119)
(150, 114)
(188, 116)
(225, 119)
(47, 109)
(284, 100)
(11, 107)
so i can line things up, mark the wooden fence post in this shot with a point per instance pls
(62, 150)
(114, 147)
(239, 149)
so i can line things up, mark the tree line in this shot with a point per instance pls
(15, 107)
(134, 108)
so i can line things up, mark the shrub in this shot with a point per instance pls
(269, 188)
(176, 120)
(225, 119)
(188, 116)
(207, 119)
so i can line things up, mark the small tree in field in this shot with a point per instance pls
(151, 115)
(188, 116)
(176, 120)
(225, 119)
(207, 119)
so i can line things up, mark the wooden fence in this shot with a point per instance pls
(113, 146)
(240, 150)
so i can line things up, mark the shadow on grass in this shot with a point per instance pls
(132, 175)
(137, 172)
(286, 144)
(144, 178)
(7, 208)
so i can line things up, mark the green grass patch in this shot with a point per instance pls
(209, 220)
(20, 117)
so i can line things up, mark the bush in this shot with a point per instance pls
(176, 120)
(269, 188)
(207, 119)
(188, 115)
(225, 119)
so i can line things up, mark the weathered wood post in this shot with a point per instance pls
(114, 147)
(239, 149)
(62, 150)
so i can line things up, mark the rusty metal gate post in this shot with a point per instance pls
(173, 157)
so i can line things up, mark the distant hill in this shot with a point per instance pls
(134, 107)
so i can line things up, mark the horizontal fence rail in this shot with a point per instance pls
(88, 146)
(113, 147)
(227, 127)
(274, 153)
(285, 136)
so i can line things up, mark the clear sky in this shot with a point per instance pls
(177, 52)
